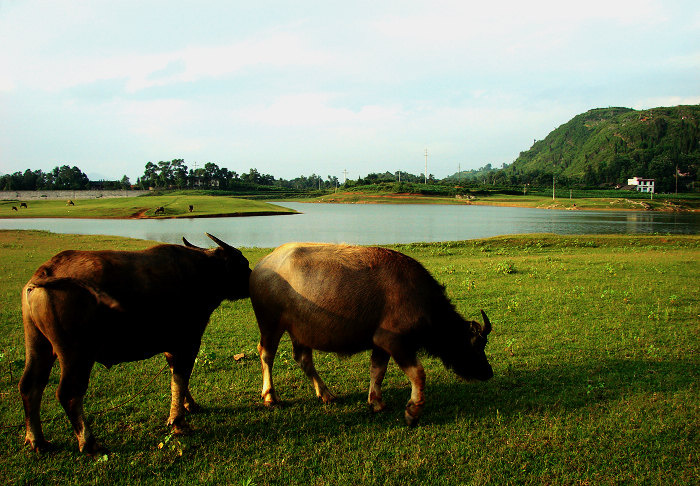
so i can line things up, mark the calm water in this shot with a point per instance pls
(375, 224)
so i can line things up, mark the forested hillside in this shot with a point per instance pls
(607, 146)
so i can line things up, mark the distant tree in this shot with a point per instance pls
(179, 173)
(225, 178)
(150, 174)
(165, 174)
(66, 177)
(252, 177)
(212, 175)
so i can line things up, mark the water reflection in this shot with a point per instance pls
(375, 224)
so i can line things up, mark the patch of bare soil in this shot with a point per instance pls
(641, 204)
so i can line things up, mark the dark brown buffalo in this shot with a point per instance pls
(115, 306)
(159, 210)
(14, 208)
(347, 299)
(191, 208)
(23, 205)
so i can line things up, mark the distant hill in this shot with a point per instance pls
(606, 146)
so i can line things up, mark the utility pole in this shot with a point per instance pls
(426, 166)
(676, 180)
(345, 173)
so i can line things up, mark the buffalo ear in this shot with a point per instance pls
(188, 244)
(487, 323)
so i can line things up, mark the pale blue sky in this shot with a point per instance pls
(295, 88)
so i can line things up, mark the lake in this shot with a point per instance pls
(375, 224)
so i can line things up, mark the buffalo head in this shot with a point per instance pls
(469, 360)
(235, 266)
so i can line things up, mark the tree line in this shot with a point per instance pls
(60, 178)
(175, 174)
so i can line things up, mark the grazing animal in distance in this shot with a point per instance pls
(159, 210)
(111, 307)
(70, 203)
(191, 208)
(23, 205)
(347, 299)
(14, 208)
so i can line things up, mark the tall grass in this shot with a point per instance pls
(594, 349)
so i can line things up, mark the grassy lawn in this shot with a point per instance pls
(594, 349)
(132, 207)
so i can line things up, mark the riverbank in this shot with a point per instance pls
(210, 206)
(180, 206)
(524, 201)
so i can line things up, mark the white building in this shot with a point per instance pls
(642, 185)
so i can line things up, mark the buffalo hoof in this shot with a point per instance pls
(193, 407)
(180, 426)
(271, 398)
(376, 406)
(91, 447)
(327, 397)
(40, 446)
(96, 451)
(273, 405)
(412, 413)
(411, 420)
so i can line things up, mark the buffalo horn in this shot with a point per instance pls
(487, 323)
(222, 244)
(188, 244)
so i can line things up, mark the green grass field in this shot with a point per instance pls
(594, 348)
(176, 206)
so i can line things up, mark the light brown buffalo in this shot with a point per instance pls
(347, 299)
(110, 307)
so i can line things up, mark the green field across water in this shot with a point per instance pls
(175, 206)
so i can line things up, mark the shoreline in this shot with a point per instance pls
(410, 199)
(136, 216)
(580, 204)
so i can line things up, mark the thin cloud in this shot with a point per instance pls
(364, 86)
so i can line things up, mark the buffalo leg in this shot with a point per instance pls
(181, 365)
(75, 374)
(379, 361)
(267, 348)
(415, 373)
(188, 402)
(303, 356)
(39, 360)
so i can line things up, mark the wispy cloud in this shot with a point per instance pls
(368, 85)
